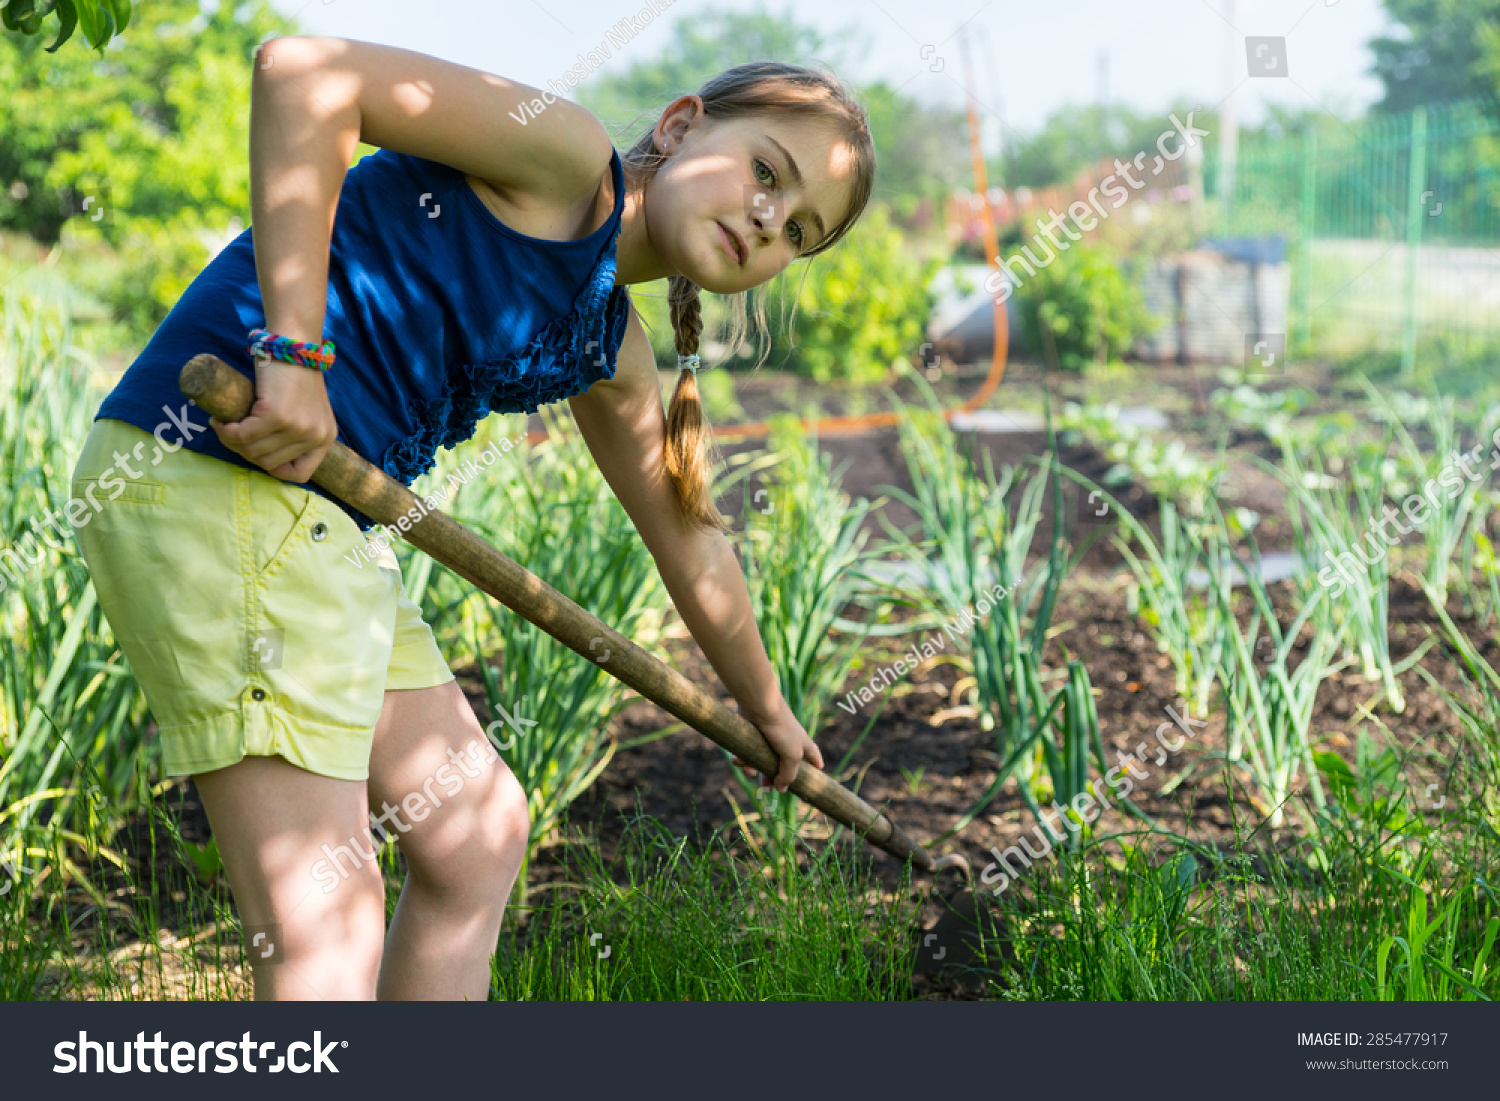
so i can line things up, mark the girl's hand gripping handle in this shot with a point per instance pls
(291, 425)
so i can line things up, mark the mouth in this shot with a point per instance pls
(733, 242)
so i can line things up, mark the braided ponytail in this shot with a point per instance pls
(745, 91)
(689, 461)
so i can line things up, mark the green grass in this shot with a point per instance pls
(667, 920)
(1398, 911)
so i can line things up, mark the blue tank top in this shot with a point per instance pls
(439, 314)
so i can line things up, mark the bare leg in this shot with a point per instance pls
(273, 822)
(431, 761)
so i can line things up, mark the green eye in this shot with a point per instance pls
(759, 164)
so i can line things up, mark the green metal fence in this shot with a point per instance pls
(1394, 224)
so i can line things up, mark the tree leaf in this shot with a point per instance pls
(91, 21)
(67, 17)
(120, 9)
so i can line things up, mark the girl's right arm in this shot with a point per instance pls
(312, 101)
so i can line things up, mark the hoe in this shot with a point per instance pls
(228, 395)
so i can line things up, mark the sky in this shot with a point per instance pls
(1030, 58)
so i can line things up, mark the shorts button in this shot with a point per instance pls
(257, 693)
(319, 531)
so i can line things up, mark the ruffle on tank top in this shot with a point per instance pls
(557, 363)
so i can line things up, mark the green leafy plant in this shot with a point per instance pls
(1169, 470)
(1271, 414)
(858, 308)
(205, 858)
(135, 162)
(1093, 311)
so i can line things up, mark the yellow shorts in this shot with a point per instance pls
(243, 603)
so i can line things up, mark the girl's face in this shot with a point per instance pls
(740, 199)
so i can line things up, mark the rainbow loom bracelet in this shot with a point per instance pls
(304, 353)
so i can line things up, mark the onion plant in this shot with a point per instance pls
(1486, 602)
(1478, 709)
(1187, 626)
(1456, 494)
(1074, 739)
(976, 534)
(1327, 533)
(805, 561)
(1270, 709)
(66, 694)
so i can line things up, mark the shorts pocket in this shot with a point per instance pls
(113, 490)
(143, 493)
(270, 552)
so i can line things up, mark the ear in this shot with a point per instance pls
(675, 122)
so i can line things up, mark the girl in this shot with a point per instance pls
(477, 262)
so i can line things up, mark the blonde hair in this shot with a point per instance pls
(758, 87)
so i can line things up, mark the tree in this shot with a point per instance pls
(100, 20)
(710, 41)
(920, 150)
(1450, 50)
(154, 137)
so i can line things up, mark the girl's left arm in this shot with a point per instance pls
(623, 423)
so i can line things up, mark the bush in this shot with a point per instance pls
(1095, 313)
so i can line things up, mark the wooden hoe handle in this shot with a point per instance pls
(228, 395)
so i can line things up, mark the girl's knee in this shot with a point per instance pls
(513, 811)
(492, 838)
(504, 826)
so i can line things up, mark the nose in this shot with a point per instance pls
(768, 218)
